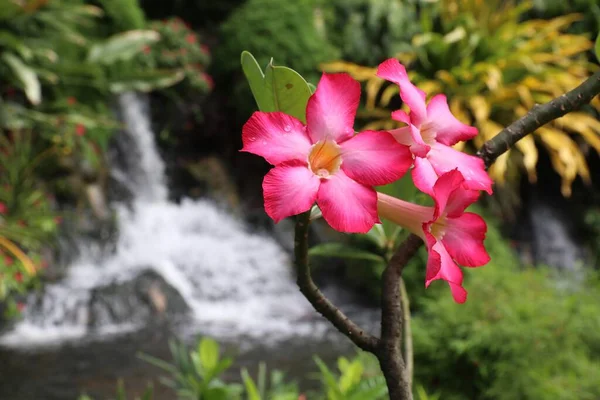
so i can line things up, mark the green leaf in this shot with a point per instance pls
(209, 353)
(597, 48)
(27, 76)
(251, 390)
(343, 251)
(256, 80)
(289, 89)
(329, 380)
(123, 46)
(278, 89)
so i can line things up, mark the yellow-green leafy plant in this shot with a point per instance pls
(494, 67)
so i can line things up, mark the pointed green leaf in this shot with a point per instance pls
(251, 389)
(209, 353)
(343, 251)
(122, 46)
(278, 89)
(256, 80)
(27, 77)
(289, 89)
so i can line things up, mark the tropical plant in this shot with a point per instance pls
(523, 334)
(494, 67)
(195, 374)
(359, 379)
(27, 221)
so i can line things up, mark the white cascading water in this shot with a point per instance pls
(236, 283)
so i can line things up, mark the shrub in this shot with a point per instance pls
(522, 334)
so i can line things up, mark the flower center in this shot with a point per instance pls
(438, 228)
(428, 133)
(325, 158)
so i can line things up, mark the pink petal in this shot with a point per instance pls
(391, 70)
(375, 158)
(400, 115)
(445, 158)
(411, 136)
(464, 238)
(424, 176)
(347, 205)
(289, 189)
(331, 109)
(440, 260)
(460, 199)
(448, 129)
(444, 188)
(276, 136)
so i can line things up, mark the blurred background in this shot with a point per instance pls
(128, 217)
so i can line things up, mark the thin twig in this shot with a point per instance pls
(389, 352)
(539, 116)
(309, 289)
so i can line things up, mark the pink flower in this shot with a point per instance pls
(3, 208)
(452, 236)
(431, 130)
(324, 161)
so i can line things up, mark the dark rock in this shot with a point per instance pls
(144, 299)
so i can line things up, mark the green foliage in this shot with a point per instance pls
(125, 14)
(369, 31)
(292, 32)
(359, 379)
(269, 387)
(278, 89)
(522, 334)
(179, 49)
(589, 8)
(27, 222)
(195, 374)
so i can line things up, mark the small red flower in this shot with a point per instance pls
(146, 49)
(8, 261)
(21, 307)
(80, 130)
(190, 38)
(71, 100)
(3, 208)
(58, 220)
(18, 277)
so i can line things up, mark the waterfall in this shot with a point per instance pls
(235, 282)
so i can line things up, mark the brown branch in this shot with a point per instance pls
(539, 116)
(409, 359)
(389, 352)
(309, 289)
